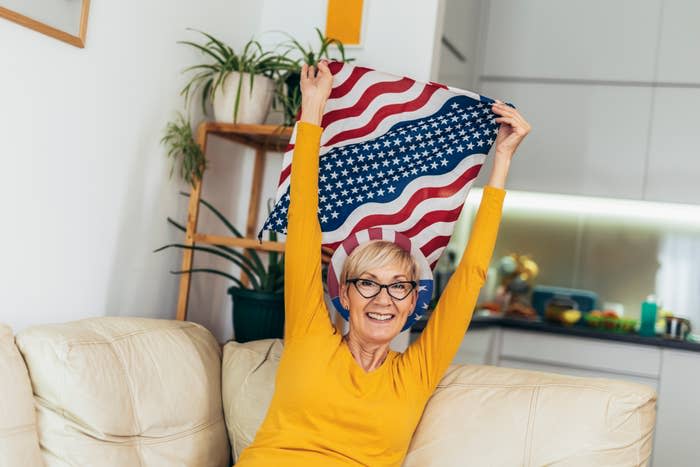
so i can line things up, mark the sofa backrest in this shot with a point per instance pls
(485, 415)
(480, 415)
(120, 392)
(19, 445)
(247, 383)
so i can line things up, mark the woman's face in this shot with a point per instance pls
(378, 319)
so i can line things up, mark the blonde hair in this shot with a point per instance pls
(378, 254)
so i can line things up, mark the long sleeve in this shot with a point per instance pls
(305, 309)
(431, 354)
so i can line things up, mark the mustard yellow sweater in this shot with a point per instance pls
(326, 410)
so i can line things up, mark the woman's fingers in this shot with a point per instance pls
(509, 112)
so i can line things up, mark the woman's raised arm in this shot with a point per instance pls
(434, 350)
(305, 309)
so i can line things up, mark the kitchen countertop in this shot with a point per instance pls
(481, 322)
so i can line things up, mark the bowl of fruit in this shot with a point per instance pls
(609, 320)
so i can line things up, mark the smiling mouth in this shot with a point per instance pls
(380, 317)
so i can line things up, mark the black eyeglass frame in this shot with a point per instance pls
(354, 281)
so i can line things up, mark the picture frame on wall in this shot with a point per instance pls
(65, 20)
(345, 21)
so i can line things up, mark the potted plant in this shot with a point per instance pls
(287, 92)
(258, 309)
(184, 150)
(240, 86)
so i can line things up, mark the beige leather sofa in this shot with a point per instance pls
(114, 392)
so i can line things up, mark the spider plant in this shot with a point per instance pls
(182, 147)
(287, 93)
(262, 278)
(222, 60)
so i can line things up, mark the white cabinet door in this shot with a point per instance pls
(583, 353)
(461, 29)
(674, 153)
(581, 373)
(596, 39)
(478, 347)
(585, 140)
(679, 45)
(678, 410)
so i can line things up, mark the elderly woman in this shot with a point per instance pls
(350, 400)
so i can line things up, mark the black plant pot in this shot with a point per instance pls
(257, 315)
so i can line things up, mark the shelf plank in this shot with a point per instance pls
(252, 243)
(268, 137)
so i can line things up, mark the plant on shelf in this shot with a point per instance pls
(287, 92)
(258, 309)
(239, 85)
(184, 150)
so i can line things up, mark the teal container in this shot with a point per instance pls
(257, 315)
(647, 325)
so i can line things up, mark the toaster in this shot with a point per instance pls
(543, 295)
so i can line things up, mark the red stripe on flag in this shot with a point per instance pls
(383, 113)
(433, 217)
(434, 244)
(409, 206)
(440, 85)
(347, 85)
(284, 174)
(371, 93)
(335, 66)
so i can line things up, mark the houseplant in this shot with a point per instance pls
(240, 85)
(184, 150)
(287, 92)
(258, 309)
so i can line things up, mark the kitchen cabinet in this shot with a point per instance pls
(585, 140)
(593, 40)
(461, 30)
(679, 42)
(674, 153)
(678, 411)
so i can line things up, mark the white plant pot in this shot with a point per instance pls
(253, 107)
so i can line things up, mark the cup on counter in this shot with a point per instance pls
(677, 328)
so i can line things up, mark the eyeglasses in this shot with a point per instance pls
(370, 289)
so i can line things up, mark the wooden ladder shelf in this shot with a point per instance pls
(262, 138)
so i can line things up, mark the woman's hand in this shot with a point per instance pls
(316, 87)
(511, 132)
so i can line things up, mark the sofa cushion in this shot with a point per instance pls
(19, 444)
(483, 415)
(248, 381)
(480, 415)
(127, 391)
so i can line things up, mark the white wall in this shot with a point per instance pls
(399, 36)
(85, 187)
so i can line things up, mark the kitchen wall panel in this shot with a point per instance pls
(679, 42)
(592, 40)
(585, 139)
(674, 151)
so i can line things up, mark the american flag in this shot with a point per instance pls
(395, 153)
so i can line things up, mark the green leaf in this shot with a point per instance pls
(211, 271)
(253, 255)
(247, 268)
